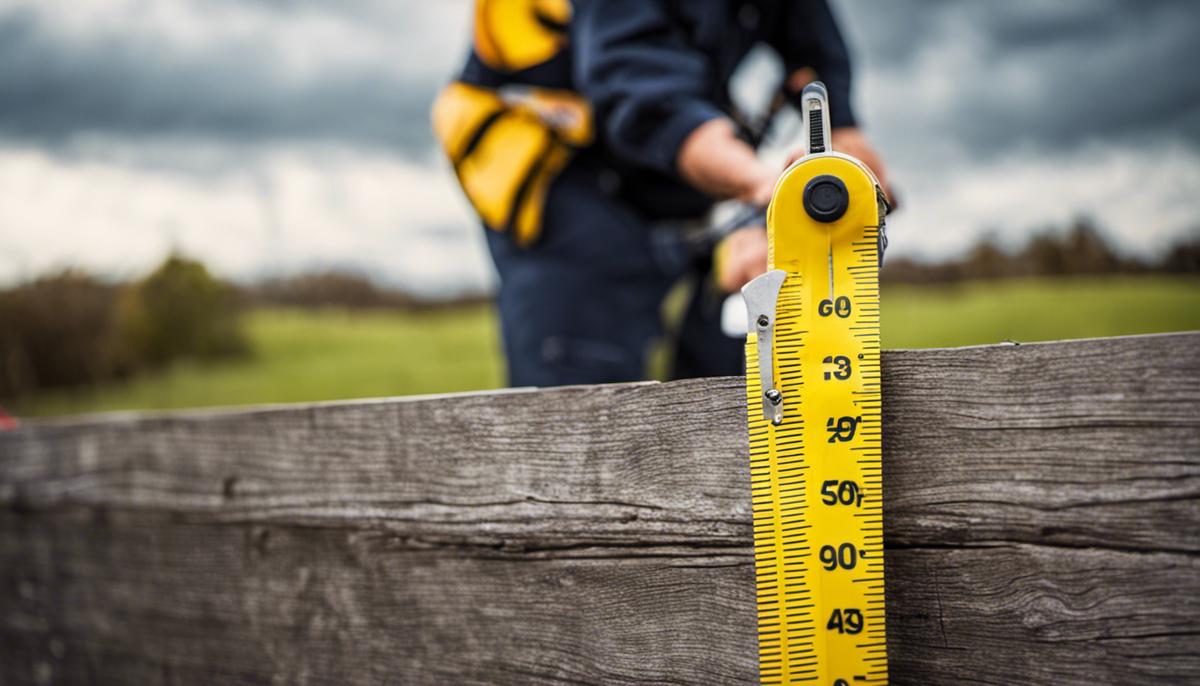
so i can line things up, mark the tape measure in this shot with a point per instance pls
(813, 407)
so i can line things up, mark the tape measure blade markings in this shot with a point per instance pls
(787, 652)
(815, 449)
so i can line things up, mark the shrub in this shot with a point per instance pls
(180, 310)
(1184, 257)
(56, 331)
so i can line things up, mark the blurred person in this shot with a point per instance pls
(578, 133)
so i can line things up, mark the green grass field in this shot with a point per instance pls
(1037, 310)
(314, 355)
(303, 355)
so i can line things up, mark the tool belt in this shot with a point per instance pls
(507, 131)
(507, 145)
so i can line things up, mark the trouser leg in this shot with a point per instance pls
(703, 349)
(582, 305)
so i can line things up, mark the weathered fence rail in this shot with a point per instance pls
(1042, 513)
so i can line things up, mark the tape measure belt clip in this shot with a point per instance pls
(762, 296)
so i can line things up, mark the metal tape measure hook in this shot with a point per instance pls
(762, 295)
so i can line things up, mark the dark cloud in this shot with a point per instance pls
(986, 76)
(55, 85)
(1033, 74)
(224, 121)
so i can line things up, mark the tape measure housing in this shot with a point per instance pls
(815, 434)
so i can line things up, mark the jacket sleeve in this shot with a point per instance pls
(809, 37)
(648, 87)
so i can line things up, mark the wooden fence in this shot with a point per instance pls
(1042, 521)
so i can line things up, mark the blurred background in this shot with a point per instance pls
(218, 202)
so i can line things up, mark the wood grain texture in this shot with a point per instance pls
(1042, 521)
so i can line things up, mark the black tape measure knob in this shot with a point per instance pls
(826, 198)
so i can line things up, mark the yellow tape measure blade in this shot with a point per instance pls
(813, 403)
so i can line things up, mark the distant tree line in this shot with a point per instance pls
(73, 329)
(343, 289)
(1079, 251)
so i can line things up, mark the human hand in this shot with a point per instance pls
(760, 192)
(740, 257)
(714, 160)
(853, 142)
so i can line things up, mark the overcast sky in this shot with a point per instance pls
(267, 136)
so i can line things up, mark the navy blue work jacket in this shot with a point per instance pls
(654, 70)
